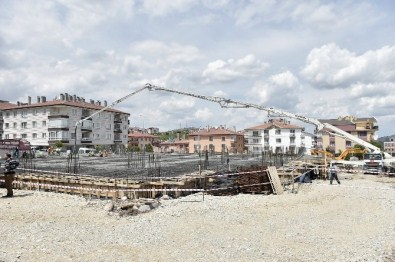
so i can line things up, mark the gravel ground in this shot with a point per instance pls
(354, 221)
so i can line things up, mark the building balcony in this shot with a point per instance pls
(117, 129)
(86, 128)
(52, 116)
(85, 113)
(58, 139)
(58, 128)
(86, 140)
(117, 120)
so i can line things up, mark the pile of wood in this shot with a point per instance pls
(253, 180)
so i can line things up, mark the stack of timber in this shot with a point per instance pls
(254, 180)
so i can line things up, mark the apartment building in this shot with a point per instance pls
(389, 146)
(44, 123)
(364, 128)
(178, 146)
(216, 140)
(277, 136)
(142, 140)
(3, 105)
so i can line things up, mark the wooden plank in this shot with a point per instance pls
(275, 180)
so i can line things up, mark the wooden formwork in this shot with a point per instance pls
(101, 187)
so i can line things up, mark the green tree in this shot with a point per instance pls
(149, 148)
(133, 148)
(377, 144)
(359, 147)
(58, 144)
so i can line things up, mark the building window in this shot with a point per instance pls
(348, 143)
(59, 123)
(7, 125)
(35, 111)
(255, 141)
(72, 135)
(292, 140)
(34, 135)
(15, 125)
(362, 133)
(210, 138)
(15, 113)
(14, 136)
(44, 111)
(44, 135)
(7, 136)
(108, 126)
(278, 132)
(7, 115)
(44, 123)
(74, 111)
(292, 131)
(24, 125)
(223, 138)
(108, 136)
(278, 140)
(34, 124)
(255, 133)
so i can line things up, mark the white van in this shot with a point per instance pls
(85, 150)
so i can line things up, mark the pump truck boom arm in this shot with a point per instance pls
(110, 106)
(228, 103)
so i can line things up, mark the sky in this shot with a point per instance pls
(319, 59)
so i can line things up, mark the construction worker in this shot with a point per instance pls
(333, 174)
(9, 174)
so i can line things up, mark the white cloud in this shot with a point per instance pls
(171, 53)
(286, 79)
(203, 114)
(280, 91)
(177, 103)
(61, 21)
(162, 8)
(315, 14)
(330, 66)
(227, 71)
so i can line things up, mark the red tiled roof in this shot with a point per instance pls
(214, 131)
(178, 142)
(4, 105)
(142, 135)
(62, 102)
(278, 124)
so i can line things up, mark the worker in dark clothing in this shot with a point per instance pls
(333, 174)
(9, 174)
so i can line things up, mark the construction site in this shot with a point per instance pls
(136, 174)
(202, 206)
(144, 175)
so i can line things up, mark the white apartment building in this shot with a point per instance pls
(276, 135)
(46, 122)
(389, 146)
